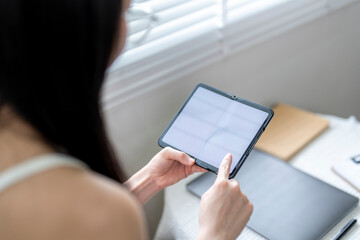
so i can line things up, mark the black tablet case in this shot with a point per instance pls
(234, 98)
(288, 203)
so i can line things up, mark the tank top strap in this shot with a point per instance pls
(33, 166)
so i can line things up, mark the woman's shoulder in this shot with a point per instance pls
(105, 209)
(68, 203)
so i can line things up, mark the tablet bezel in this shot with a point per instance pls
(234, 98)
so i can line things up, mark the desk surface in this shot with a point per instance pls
(340, 141)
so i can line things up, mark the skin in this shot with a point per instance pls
(49, 205)
(69, 203)
(230, 208)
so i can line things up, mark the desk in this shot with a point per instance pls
(341, 140)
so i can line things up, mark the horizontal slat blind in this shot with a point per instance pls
(185, 38)
(259, 20)
(335, 4)
(173, 16)
(191, 34)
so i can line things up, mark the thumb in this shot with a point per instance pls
(183, 158)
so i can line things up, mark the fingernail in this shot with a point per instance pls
(191, 160)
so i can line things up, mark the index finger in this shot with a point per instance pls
(224, 169)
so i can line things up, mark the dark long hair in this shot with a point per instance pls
(53, 57)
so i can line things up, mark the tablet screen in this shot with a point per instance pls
(211, 125)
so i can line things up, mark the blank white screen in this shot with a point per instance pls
(211, 125)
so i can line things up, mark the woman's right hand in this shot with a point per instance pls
(224, 209)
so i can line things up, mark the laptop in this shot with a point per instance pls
(288, 203)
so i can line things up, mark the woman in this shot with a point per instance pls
(53, 56)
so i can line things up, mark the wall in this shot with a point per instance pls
(315, 67)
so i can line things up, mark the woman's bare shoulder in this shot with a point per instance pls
(76, 204)
(108, 210)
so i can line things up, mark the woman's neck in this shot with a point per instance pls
(18, 139)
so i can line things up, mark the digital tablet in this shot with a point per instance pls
(212, 123)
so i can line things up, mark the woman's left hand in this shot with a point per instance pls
(170, 166)
(166, 168)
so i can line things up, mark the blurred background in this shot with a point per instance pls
(312, 64)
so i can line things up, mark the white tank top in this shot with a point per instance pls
(33, 166)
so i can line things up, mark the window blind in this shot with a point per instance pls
(191, 34)
(255, 21)
(336, 4)
(185, 38)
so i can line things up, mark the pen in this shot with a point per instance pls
(345, 229)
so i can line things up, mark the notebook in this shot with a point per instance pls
(349, 170)
(288, 203)
(290, 130)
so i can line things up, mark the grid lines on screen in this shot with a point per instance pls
(211, 125)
